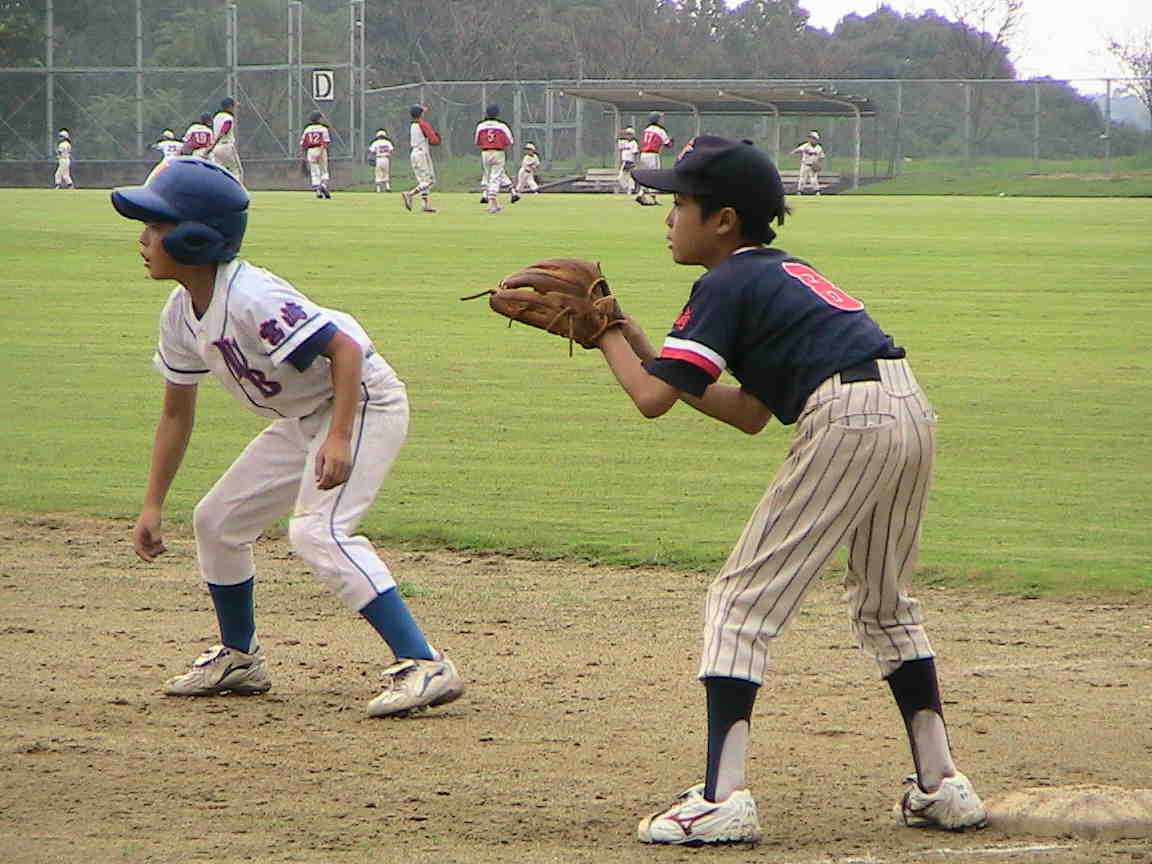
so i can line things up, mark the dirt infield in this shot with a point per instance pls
(582, 715)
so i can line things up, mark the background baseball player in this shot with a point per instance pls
(858, 473)
(198, 137)
(168, 145)
(627, 149)
(223, 150)
(529, 167)
(811, 154)
(314, 142)
(493, 137)
(338, 413)
(63, 176)
(421, 138)
(653, 141)
(381, 149)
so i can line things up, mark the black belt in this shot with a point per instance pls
(867, 370)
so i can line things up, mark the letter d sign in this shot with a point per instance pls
(323, 85)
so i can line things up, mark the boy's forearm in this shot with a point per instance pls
(168, 449)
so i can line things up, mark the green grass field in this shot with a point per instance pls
(1026, 319)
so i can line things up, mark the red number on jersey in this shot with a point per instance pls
(824, 289)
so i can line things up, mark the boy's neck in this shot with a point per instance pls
(200, 283)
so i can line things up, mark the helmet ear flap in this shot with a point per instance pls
(192, 242)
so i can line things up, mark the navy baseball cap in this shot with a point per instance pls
(734, 173)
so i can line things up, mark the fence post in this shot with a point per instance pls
(1036, 128)
(968, 124)
(1107, 136)
(50, 83)
(139, 79)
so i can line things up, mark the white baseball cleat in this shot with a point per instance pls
(695, 821)
(222, 670)
(413, 685)
(954, 806)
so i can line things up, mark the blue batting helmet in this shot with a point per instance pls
(207, 204)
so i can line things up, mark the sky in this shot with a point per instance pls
(1056, 38)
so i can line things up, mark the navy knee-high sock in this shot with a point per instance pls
(236, 614)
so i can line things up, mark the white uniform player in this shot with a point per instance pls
(314, 141)
(339, 418)
(421, 139)
(168, 145)
(811, 154)
(493, 137)
(529, 167)
(223, 150)
(627, 148)
(198, 137)
(381, 149)
(654, 139)
(63, 177)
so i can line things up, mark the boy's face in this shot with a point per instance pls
(694, 238)
(159, 263)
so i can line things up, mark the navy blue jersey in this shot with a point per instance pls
(776, 324)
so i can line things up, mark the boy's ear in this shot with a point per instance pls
(728, 221)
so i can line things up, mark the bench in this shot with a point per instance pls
(604, 180)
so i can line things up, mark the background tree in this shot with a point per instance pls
(1135, 52)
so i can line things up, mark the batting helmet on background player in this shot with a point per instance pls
(206, 203)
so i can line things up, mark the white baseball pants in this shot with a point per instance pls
(275, 477)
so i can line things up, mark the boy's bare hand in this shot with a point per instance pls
(146, 539)
(333, 462)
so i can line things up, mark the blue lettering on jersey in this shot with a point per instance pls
(241, 371)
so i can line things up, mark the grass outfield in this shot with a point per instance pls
(1026, 319)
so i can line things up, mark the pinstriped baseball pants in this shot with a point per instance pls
(858, 475)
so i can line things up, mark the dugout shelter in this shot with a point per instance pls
(696, 99)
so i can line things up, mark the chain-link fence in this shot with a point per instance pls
(117, 110)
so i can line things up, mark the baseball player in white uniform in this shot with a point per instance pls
(529, 167)
(314, 141)
(63, 178)
(223, 150)
(381, 149)
(168, 145)
(811, 154)
(198, 137)
(654, 139)
(421, 138)
(493, 137)
(338, 412)
(627, 148)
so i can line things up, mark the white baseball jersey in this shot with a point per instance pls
(493, 135)
(655, 139)
(314, 140)
(381, 148)
(417, 139)
(64, 149)
(198, 136)
(810, 154)
(169, 148)
(254, 324)
(224, 127)
(628, 149)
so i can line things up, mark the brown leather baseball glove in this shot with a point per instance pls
(566, 296)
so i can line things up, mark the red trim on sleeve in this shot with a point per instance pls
(693, 358)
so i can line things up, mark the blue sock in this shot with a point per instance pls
(389, 614)
(236, 614)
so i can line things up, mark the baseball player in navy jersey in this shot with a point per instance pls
(338, 412)
(314, 142)
(493, 137)
(805, 351)
(223, 150)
